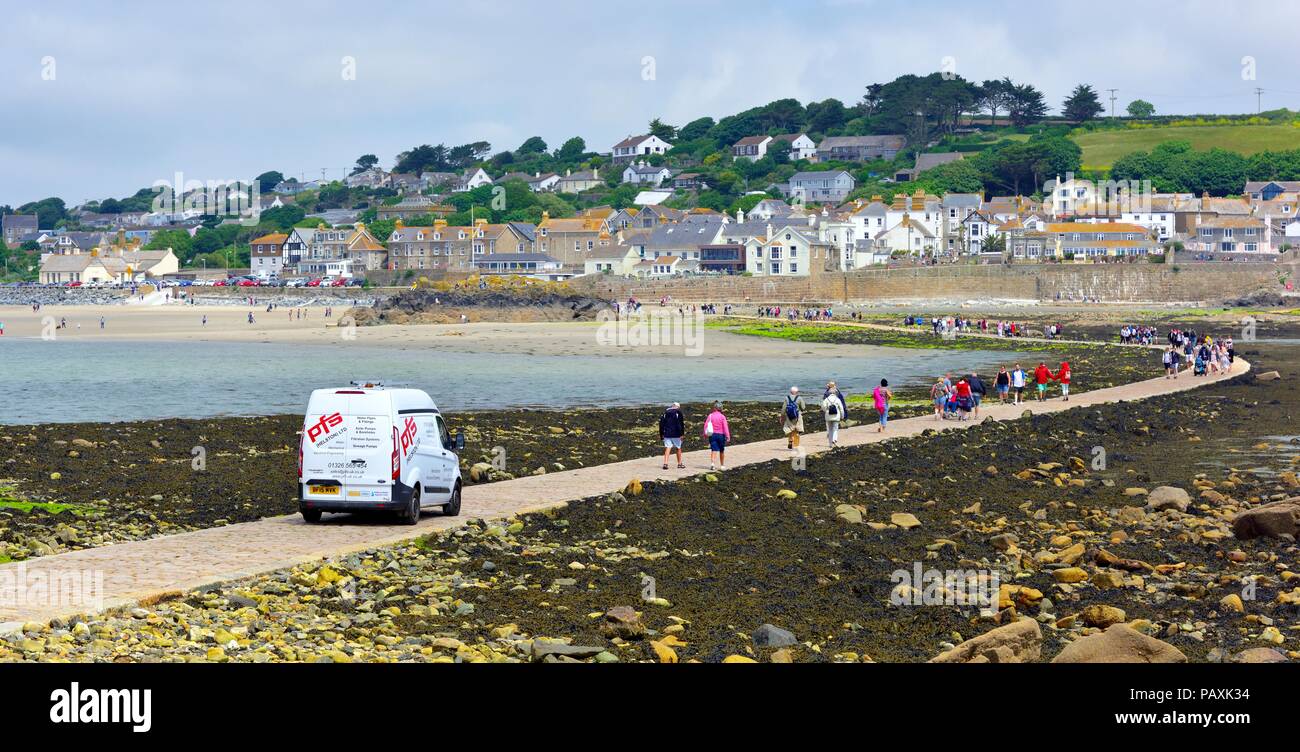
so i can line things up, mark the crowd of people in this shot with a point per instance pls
(1130, 334)
(796, 314)
(834, 407)
(941, 325)
(1201, 353)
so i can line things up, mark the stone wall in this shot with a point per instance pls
(1133, 283)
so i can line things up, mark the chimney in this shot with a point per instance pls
(740, 215)
(568, 172)
(769, 230)
(595, 173)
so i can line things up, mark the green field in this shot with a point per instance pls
(1102, 148)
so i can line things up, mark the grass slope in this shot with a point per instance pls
(1102, 148)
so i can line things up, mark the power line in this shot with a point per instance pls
(1112, 101)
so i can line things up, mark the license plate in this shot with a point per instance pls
(324, 490)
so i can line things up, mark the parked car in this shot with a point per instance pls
(365, 447)
(314, 282)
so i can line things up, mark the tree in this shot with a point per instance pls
(534, 145)
(365, 162)
(662, 130)
(698, 128)
(826, 115)
(1082, 105)
(572, 150)
(423, 158)
(1140, 108)
(267, 181)
(1026, 105)
(996, 96)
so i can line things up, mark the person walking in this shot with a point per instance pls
(672, 427)
(1042, 375)
(1018, 383)
(718, 433)
(1002, 383)
(1171, 363)
(939, 396)
(792, 408)
(834, 408)
(881, 397)
(1062, 376)
(977, 391)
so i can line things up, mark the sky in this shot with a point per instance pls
(102, 99)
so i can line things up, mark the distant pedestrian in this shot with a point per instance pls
(672, 427)
(834, 408)
(792, 408)
(881, 396)
(718, 433)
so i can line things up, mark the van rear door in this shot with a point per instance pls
(347, 448)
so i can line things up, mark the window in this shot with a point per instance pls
(776, 267)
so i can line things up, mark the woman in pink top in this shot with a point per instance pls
(718, 433)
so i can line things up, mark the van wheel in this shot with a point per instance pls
(311, 515)
(452, 507)
(412, 514)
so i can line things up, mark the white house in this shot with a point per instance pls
(634, 147)
(801, 147)
(472, 179)
(644, 174)
(790, 251)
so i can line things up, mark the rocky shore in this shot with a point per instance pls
(1179, 545)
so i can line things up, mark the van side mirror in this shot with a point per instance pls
(459, 441)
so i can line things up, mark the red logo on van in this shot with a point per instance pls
(323, 426)
(408, 435)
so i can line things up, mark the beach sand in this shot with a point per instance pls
(230, 324)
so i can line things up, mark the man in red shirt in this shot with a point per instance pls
(1042, 375)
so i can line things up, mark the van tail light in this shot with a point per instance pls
(301, 438)
(397, 457)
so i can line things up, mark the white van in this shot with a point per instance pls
(365, 447)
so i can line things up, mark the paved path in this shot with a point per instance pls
(131, 571)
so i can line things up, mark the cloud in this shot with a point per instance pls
(240, 87)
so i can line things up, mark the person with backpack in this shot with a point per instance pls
(881, 397)
(939, 395)
(1062, 375)
(718, 433)
(834, 408)
(792, 408)
(672, 427)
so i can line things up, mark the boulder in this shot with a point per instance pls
(1259, 655)
(1119, 644)
(1020, 641)
(769, 636)
(1168, 497)
(1269, 521)
(1269, 376)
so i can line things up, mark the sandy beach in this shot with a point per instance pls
(230, 324)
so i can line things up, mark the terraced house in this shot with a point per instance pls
(342, 251)
(573, 240)
(440, 247)
(1232, 234)
(1081, 241)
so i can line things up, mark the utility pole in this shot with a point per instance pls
(1259, 100)
(1112, 101)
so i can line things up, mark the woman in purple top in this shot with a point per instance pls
(718, 433)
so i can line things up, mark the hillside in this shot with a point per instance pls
(1102, 148)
